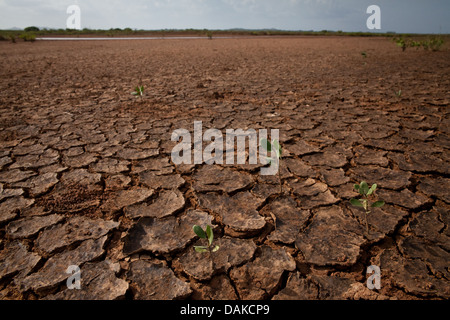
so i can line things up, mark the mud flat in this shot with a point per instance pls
(86, 176)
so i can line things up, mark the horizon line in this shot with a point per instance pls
(236, 29)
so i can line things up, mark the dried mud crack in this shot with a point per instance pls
(87, 179)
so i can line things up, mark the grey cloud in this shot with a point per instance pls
(347, 15)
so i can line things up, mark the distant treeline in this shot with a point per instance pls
(32, 32)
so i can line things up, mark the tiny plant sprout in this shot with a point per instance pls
(205, 234)
(138, 91)
(275, 146)
(365, 192)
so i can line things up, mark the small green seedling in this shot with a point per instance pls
(398, 93)
(275, 145)
(205, 234)
(365, 191)
(138, 91)
(364, 54)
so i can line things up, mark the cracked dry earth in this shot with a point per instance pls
(86, 176)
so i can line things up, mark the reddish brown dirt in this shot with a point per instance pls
(75, 143)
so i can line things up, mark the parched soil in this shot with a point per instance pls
(87, 179)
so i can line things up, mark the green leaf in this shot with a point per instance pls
(377, 204)
(210, 234)
(365, 204)
(363, 188)
(199, 231)
(215, 248)
(356, 187)
(277, 148)
(356, 202)
(201, 248)
(372, 189)
(266, 144)
(134, 93)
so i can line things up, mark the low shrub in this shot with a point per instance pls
(28, 37)
(433, 44)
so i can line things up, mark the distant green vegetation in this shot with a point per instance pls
(28, 36)
(4, 36)
(433, 43)
(118, 32)
(31, 29)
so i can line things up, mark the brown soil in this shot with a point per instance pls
(67, 111)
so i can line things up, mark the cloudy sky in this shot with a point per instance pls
(414, 16)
